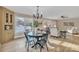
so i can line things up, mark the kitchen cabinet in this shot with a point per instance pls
(6, 25)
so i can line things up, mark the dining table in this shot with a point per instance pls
(37, 36)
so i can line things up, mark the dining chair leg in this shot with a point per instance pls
(28, 48)
(46, 47)
(40, 49)
(25, 44)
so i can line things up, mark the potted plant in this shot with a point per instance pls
(35, 25)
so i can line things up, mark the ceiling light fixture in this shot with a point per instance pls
(37, 15)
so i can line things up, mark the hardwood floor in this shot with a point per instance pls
(18, 45)
(70, 44)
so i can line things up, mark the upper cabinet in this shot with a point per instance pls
(9, 15)
(6, 25)
(11, 18)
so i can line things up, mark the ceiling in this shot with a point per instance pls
(50, 12)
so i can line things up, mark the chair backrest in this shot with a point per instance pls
(48, 30)
(54, 32)
(26, 36)
(45, 37)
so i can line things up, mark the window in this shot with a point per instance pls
(19, 25)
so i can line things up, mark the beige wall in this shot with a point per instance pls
(62, 27)
(52, 22)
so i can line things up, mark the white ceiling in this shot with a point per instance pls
(48, 11)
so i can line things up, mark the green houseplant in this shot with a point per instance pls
(35, 23)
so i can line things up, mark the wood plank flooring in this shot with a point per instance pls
(18, 45)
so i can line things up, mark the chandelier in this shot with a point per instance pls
(37, 15)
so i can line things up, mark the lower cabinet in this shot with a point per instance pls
(7, 36)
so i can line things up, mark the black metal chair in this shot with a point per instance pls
(45, 37)
(43, 41)
(28, 42)
(38, 42)
(63, 34)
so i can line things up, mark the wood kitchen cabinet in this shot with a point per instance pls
(6, 25)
